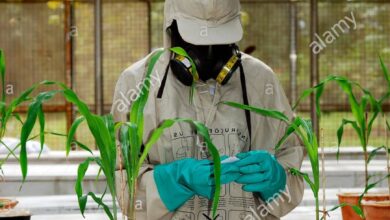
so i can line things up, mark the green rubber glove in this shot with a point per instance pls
(261, 173)
(178, 181)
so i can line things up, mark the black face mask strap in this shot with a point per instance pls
(246, 102)
(161, 89)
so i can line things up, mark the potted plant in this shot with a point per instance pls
(380, 210)
(104, 132)
(365, 111)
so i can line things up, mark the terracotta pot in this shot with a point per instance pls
(7, 204)
(374, 210)
(353, 199)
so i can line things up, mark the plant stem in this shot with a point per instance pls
(114, 208)
(323, 177)
(387, 153)
(317, 208)
(132, 196)
(365, 152)
(122, 184)
(366, 166)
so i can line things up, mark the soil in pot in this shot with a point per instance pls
(374, 210)
(353, 199)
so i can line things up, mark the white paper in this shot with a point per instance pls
(230, 160)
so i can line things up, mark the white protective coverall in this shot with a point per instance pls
(227, 127)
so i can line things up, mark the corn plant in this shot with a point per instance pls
(7, 112)
(365, 111)
(132, 132)
(104, 130)
(303, 129)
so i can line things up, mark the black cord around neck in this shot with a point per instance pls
(246, 102)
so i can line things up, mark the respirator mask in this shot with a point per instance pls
(218, 62)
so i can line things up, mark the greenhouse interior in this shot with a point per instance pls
(195, 109)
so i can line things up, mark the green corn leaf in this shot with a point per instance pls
(180, 51)
(83, 146)
(289, 130)
(3, 107)
(17, 117)
(41, 119)
(137, 108)
(125, 144)
(311, 146)
(19, 100)
(154, 137)
(341, 205)
(375, 152)
(358, 113)
(307, 179)
(340, 132)
(82, 169)
(100, 202)
(384, 98)
(355, 208)
(7, 112)
(385, 72)
(371, 186)
(135, 146)
(10, 151)
(130, 139)
(110, 125)
(358, 109)
(72, 132)
(98, 176)
(308, 128)
(102, 128)
(104, 193)
(261, 111)
(204, 132)
(13, 150)
(304, 131)
(358, 210)
(34, 110)
(310, 134)
(100, 132)
(375, 107)
(77, 143)
(320, 91)
(304, 95)
(82, 199)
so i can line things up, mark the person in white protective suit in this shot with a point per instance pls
(177, 180)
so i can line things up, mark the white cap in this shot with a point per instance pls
(205, 22)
